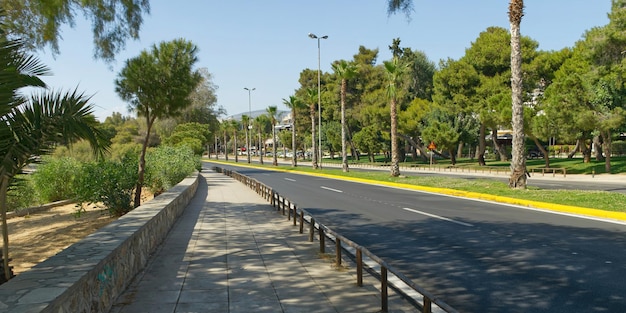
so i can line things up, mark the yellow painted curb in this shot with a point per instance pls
(460, 193)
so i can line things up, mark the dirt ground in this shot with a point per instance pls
(38, 236)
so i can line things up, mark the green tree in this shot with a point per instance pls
(271, 112)
(369, 140)
(39, 22)
(31, 127)
(157, 84)
(395, 73)
(344, 70)
(294, 103)
(193, 135)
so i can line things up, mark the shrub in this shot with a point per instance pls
(21, 194)
(110, 183)
(166, 166)
(54, 178)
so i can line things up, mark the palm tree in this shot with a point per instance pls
(518, 161)
(31, 127)
(344, 70)
(234, 126)
(225, 128)
(245, 121)
(516, 12)
(157, 85)
(261, 122)
(271, 111)
(294, 103)
(311, 97)
(395, 70)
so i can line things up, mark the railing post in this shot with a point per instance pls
(311, 229)
(284, 204)
(295, 214)
(289, 212)
(301, 221)
(359, 267)
(427, 307)
(322, 240)
(337, 252)
(383, 290)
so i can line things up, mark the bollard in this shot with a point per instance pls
(337, 252)
(295, 214)
(384, 301)
(301, 221)
(322, 241)
(311, 229)
(359, 267)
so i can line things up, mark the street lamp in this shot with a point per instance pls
(319, 97)
(249, 118)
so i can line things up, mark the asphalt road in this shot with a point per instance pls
(477, 256)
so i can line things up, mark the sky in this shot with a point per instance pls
(265, 44)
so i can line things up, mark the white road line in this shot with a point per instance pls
(331, 189)
(289, 179)
(438, 217)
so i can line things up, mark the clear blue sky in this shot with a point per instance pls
(264, 44)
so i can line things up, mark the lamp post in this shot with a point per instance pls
(319, 97)
(249, 119)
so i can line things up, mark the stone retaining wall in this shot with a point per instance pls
(89, 275)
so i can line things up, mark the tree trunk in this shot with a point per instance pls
(344, 153)
(452, 157)
(395, 169)
(261, 147)
(546, 156)
(497, 146)
(482, 144)
(417, 143)
(597, 144)
(235, 146)
(225, 147)
(294, 151)
(274, 156)
(575, 150)
(459, 150)
(313, 143)
(518, 162)
(142, 163)
(606, 139)
(4, 187)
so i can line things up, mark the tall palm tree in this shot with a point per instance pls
(261, 123)
(245, 121)
(294, 103)
(272, 111)
(518, 160)
(225, 128)
(311, 99)
(395, 71)
(234, 126)
(31, 127)
(344, 70)
(516, 12)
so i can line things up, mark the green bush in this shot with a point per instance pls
(54, 178)
(166, 166)
(110, 183)
(21, 194)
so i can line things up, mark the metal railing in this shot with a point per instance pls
(302, 217)
(552, 171)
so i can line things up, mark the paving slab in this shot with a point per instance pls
(232, 252)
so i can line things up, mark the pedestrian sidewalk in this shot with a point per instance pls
(231, 252)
